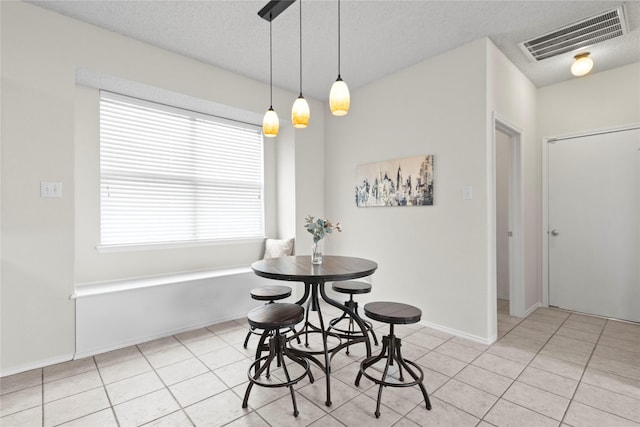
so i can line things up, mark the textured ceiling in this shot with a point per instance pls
(378, 37)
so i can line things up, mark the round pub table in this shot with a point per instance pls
(314, 276)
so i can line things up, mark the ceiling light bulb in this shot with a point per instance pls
(270, 123)
(300, 113)
(339, 98)
(581, 65)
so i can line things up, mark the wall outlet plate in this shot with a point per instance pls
(467, 192)
(50, 189)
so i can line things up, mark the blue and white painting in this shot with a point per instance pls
(400, 182)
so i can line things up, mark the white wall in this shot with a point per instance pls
(440, 258)
(593, 102)
(513, 97)
(434, 257)
(41, 258)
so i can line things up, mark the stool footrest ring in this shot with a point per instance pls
(391, 352)
(277, 352)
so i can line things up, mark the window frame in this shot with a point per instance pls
(197, 240)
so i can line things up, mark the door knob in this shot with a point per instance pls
(554, 232)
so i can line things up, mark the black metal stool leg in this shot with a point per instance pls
(300, 362)
(354, 305)
(390, 356)
(397, 357)
(295, 334)
(373, 334)
(391, 351)
(417, 378)
(261, 345)
(277, 350)
(371, 361)
(258, 372)
(246, 340)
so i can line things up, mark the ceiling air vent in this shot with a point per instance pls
(605, 26)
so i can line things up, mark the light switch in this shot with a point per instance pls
(467, 192)
(50, 189)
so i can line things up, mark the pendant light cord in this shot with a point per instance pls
(300, 47)
(338, 38)
(270, 65)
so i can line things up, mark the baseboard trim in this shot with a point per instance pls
(470, 337)
(531, 309)
(36, 365)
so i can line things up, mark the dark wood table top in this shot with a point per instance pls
(300, 269)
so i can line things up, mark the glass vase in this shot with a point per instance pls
(316, 252)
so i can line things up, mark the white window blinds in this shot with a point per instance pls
(172, 175)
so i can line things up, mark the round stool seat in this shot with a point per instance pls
(270, 293)
(275, 316)
(392, 312)
(351, 287)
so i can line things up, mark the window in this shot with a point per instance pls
(173, 175)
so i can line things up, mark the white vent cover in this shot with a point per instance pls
(605, 26)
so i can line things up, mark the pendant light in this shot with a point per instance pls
(582, 64)
(300, 112)
(270, 123)
(339, 98)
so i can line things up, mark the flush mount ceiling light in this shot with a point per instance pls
(582, 64)
(300, 112)
(339, 98)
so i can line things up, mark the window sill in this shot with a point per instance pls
(175, 245)
(99, 288)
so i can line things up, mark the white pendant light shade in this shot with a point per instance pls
(339, 98)
(270, 123)
(581, 65)
(300, 113)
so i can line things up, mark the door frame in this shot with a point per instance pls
(545, 195)
(517, 306)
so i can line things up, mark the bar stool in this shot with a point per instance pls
(270, 294)
(393, 313)
(351, 288)
(272, 318)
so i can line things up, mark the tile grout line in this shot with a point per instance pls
(104, 387)
(526, 366)
(166, 386)
(470, 385)
(529, 363)
(571, 400)
(580, 381)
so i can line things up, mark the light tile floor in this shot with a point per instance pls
(552, 368)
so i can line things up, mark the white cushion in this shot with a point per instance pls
(274, 248)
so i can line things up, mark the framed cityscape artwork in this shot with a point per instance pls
(399, 182)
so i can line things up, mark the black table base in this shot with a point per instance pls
(312, 301)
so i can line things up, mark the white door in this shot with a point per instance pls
(594, 224)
